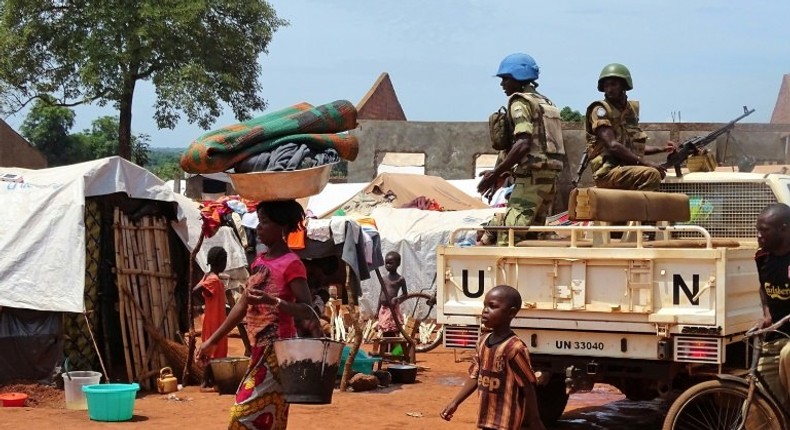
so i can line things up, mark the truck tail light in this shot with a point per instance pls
(698, 350)
(461, 336)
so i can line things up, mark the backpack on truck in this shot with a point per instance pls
(548, 131)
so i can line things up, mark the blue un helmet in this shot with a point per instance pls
(521, 67)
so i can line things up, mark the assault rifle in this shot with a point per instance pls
(693, 145)
(582, 165)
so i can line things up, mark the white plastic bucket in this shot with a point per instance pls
(72, 384)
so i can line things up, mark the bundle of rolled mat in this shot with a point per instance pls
(302, 126)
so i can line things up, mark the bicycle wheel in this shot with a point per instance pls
(419, 320)
(719, 405)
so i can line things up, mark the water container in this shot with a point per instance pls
(111, 402)
(72, 384)
(308, 368)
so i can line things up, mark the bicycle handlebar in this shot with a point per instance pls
(757, 331)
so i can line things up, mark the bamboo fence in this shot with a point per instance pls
(146, 284)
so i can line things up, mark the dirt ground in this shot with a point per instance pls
(412, 406)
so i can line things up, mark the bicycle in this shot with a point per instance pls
(416, 309)
(730, 402)
(418, 326)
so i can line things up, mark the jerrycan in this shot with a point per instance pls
(167, 383)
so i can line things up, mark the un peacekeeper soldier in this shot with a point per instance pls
(615, 143)
(535, 157)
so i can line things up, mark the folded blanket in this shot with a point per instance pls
(221, 149)
(289, 156)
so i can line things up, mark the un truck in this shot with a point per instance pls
(656, 309)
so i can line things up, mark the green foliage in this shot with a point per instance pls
(569, 115)
(101, 140)
(47, 127)
(199, 55)
(163, 162)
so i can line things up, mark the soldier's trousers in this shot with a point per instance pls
(640, 178)
(530, 201)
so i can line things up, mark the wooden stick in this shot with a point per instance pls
(121, 282)
(357, 341)
(142, 294)
(192, 339)
(131, 322)
(138, 339)
(155, 289)
(168, 286)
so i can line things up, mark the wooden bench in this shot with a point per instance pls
(382, 346)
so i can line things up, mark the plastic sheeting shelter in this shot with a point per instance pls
(43, 247)
(398, 189)
(415, 234)
(42, 237)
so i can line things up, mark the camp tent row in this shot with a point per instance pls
(57, 253)
(58, 260)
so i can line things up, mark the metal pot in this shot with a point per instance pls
(403, 373)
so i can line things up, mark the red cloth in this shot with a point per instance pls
(214, 295)
(212, 211)
(424, 203)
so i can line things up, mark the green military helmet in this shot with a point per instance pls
(616, 70)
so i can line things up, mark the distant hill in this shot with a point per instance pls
(167, 150)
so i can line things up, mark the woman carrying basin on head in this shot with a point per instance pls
(273, 298)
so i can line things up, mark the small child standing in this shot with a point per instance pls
(393, 283)
(501, 371)
(213, 291)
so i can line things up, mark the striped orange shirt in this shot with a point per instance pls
(502, 371)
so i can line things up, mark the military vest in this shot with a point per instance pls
(547, 150)
(625, 125)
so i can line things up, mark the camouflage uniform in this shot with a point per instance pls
(608, 171)
(535, 176)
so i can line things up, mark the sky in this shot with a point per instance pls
(694, 61)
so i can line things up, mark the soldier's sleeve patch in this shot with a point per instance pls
(600, 112)
(518, 112)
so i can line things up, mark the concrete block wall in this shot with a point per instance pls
(451, 148)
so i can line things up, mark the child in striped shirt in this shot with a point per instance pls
(501, 371)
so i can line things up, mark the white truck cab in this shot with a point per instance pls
(662, 305)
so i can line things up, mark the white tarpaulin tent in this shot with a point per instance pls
(415, 234)
(42, 236)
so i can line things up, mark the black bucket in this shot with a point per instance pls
(308, 368)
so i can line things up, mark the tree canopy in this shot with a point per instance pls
(569, 115)
(48, 128)
(198, 55)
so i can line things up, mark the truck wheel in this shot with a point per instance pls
(552, 399)
(638, 390)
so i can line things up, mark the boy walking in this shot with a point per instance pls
(501, 371)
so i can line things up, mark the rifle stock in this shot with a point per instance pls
(694, 144)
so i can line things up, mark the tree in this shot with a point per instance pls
(101, 140)
(569, 115)
(197, 54)
(47, 127)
